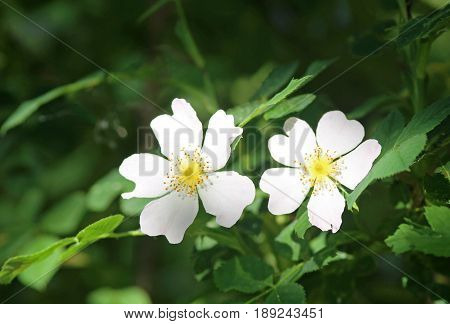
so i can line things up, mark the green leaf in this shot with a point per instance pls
(243, 88)
(388, 130)
(38, 274)
(396, 160)
(316, 67)
(30, 204)
(94, 232)
(184, 34)
(302, 224)
(410, 238)
(291, 293)
(129, 295)
(369, 105)
(241, 112)
(105, 190)
(246, 274)
(134, 206)
(276, 79)
(438, 218)
(245, 113)
(437, 188)
(98, 229)
(27, 108)
(152, 9)
(224, 237)
(399, 158)
(400, 149)
(294, 85)
(427, 119)
(289, 106)
(286, 245)
(428, 26)
(16, 265)
(66, 215)
(295, 272)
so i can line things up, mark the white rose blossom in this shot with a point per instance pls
(189, 172)
(318, 161)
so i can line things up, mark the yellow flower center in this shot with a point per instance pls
(187, 172)
(320, 167)
(191, 172)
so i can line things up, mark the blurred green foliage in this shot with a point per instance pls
(78, 78)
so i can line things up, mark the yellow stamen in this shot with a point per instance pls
(320, 167)
(187, 171)
(190, 172)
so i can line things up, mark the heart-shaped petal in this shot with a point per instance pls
(337, 135)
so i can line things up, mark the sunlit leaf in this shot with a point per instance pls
(401, 148)
(129, 295)
(38, 274)
(427, 119)
(438, 218)
(15, 265)
(411, 238)
(294, 85)
(94, 232)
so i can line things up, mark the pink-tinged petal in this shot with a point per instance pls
(354, 166)
(287, 188)
(148, 172)
(170, 216)
(226, 196)
(336, 135)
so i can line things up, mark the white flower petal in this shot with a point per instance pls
(226, 196)
(337, 134)
(356, 165)
(300, 140)
(181, 130)
(147, 171)
(287, 188)
(219, 136)
(170, 216)
(325, 208)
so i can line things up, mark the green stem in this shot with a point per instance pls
(419, 84)
(265, 292)
(416, 56)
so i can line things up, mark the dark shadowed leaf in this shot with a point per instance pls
(291, 293)
(246, 274)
